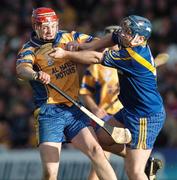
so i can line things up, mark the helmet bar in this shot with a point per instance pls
(110, 29)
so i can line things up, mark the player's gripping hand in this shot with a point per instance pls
(99, 112)
(72, 46)
(58, 53)
(42, 76)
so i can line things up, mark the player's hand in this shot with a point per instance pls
(101, 113)
(72, 46)
(161, 59)
(58, 53)
(43, 77)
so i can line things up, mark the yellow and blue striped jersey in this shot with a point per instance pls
(102, 83)
(63, 73)
(137, 78)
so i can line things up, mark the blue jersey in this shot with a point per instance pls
(137, 76)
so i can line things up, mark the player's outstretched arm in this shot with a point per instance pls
(100, 44)
(97, 44)
(84, 57)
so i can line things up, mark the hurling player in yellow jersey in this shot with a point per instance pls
(57, 118)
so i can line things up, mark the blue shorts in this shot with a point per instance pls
(144, 130)
(58, 123)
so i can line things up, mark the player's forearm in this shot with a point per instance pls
(85, 57)
(93, 107)
(26, 72)
(90, 103)
(98, 44)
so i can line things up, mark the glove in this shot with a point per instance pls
(119, 40)
(44, 50)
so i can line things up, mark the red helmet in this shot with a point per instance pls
(47, 17)
(43, 14)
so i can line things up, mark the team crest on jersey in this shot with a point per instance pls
(50, 61)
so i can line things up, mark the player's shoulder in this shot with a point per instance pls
(71, 33)
(63, 32)
(28, 46)
(81, 36)
(27, 49)
(66, 36)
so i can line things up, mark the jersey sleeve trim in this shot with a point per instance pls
(24, 61)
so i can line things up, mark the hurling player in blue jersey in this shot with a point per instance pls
(143, 111)
(56, 117)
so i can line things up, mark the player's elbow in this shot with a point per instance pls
(19, 73)
(24, 72)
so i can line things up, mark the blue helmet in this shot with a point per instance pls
(137, 25)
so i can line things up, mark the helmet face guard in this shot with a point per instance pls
(125, 32)
(45, 23)
(126, 28)
(110, 29)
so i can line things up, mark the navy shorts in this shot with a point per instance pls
(58, 123)
(144, 130)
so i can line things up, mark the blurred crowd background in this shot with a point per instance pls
(90, 17)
